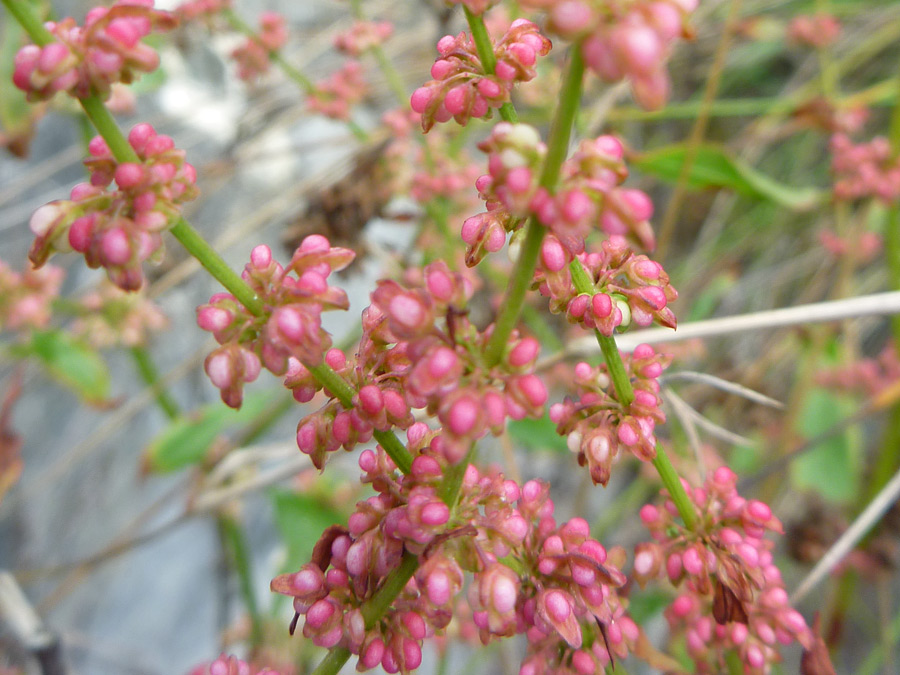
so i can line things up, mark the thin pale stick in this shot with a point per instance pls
(722, 385)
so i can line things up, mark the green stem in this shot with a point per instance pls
(734, 663)
(207, 256)
(892, 227)
(200, 249)
(625, 392)
(886, 461)
(241, 26)
(482, 41)
(302, 81)
(106, 126)
(306, 85)
(672, 482)
(24, 14)
(395, 82)
(557, 147)
(519, 281)
(236, 546)
(189, 237)
(150, 376)
(879, 94)
(485, 49)
(344, 393)
(561, 129)
(372, 610)
(451, 483)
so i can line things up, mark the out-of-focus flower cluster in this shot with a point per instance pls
(230, 665)
(290, 325)
(119, 229)
(623, 39)
(111, 317)
(87, 60)
(105, 317)
(419, 350)
(362, 36)
(598, 422)
(338, 93)
(865, 169)
(252, 57)
(26, 297)
(870, 376)
(204, 10)
(733, 595)
(861, 247)
(814, 30)
(530, 575)
(462, 88)
(477, 7)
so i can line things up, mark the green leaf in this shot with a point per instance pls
(832, 467)
(644, 605)
(188, 439)
(71, 362)
(301, 518)
(537, 434)
(714, 167)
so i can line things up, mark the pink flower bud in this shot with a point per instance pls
(213, 319)
(45, 217)
(525, 352)
(116, 246)
(463, 416)
(371, 399)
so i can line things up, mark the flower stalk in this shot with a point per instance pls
(625, 391)
(557, 147)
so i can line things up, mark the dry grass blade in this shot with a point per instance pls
(877, 304)
(684, 414)
(723, 385)
(710, 427)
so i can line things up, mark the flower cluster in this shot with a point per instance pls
(623, 38)
(554, 583)
(462, 88)
(109, 316)
(814, 30)
(419, 350)
(119, 228)
(87, 60)
(515, 153)
(337, 94)
(627, 288)
(252, 57)
(864, 170)
(362, 36)
(192, 10)
(862, 248)
(846, 117)
(599, 422)
(290, 324)
(734, 598)
(590, 194)
(477, 7)
(230, 665)
(26, 296)
(870, 376)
